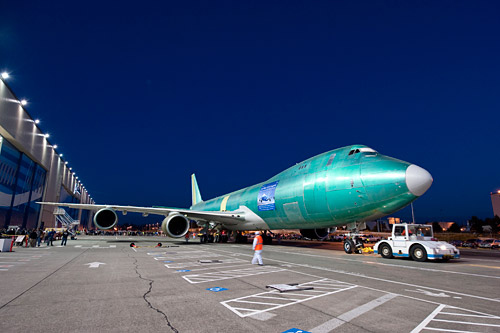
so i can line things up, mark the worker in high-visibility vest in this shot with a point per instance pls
(257, 247)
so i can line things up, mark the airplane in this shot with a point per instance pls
(345, 186)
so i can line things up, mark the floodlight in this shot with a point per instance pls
(54, 146)
(37, 121)
(47, 135)
(5, 75)
(24, 102)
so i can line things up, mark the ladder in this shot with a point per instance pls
(66, 221)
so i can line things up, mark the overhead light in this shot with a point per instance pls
(47, 135)
(37, 121)
(69, 168)
(5, 75)
(24, 102)
(54, 146)
(61, 155)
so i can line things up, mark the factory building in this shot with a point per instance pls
(32, 170)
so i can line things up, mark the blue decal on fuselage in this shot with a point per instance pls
(265, 199)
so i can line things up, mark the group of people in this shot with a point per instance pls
(37, 236)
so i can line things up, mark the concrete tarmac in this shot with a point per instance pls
(100, 283)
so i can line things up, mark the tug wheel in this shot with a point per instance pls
(385, 251)
(348, 246)
(418, 253)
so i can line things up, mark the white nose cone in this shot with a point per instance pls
(418, 180)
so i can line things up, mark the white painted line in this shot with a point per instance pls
(448, 330)
(350, 315)
(464, 315)
(208, 268)
(225, 275)
(391, 265)
(209, 265)
(428, 319)
(262, 303)
(134, 249)
(112, 246)
(283, 297)
(465, 322)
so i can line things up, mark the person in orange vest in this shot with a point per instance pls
(257, 247)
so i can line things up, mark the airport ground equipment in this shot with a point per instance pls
(353, 244)
(417, 242)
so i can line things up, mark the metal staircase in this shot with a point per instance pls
(66, 221)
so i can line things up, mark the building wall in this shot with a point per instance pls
(31, 170)
(495, 201)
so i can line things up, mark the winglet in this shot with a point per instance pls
(195, 191)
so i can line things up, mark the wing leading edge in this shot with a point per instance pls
(226, 218)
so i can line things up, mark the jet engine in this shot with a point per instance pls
(105, 219)
(175, 225)
(315, 233)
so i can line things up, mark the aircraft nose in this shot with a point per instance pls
(418, 180)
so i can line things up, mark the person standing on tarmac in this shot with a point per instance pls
(64, 239)
(257, 247)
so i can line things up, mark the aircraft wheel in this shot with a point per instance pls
(348, 246)
(385, 251)
(418, 253)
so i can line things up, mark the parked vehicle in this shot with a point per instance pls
(486, 243)
(456, 243)
(472, 243)
(495, 244)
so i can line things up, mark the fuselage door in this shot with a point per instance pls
(315, 193)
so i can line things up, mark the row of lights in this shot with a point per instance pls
(24, 102)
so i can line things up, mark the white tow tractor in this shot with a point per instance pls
(416, 241)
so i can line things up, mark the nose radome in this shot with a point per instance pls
(418, 180)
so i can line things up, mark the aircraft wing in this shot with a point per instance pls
(229, 218)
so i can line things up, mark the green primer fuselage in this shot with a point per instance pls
(330, 189)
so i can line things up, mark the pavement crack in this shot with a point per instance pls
(149, 291)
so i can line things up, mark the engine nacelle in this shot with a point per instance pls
(105, 219)
(175, 225)
(315, 233)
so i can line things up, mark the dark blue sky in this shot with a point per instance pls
(138, 95)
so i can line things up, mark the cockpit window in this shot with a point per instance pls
(365, 151)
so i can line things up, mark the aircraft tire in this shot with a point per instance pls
(418, 253)
(348, 246)
(385, 251)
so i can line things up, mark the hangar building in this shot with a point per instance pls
(32, 170)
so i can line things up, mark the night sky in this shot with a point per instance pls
(138, 95)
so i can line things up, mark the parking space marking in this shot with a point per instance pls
(442, 319)
(218, 267)
(267, 301)
(381, 279)
(184, 255)
(12, 260)
(350, 315)
(231, 274)
(198, 264)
